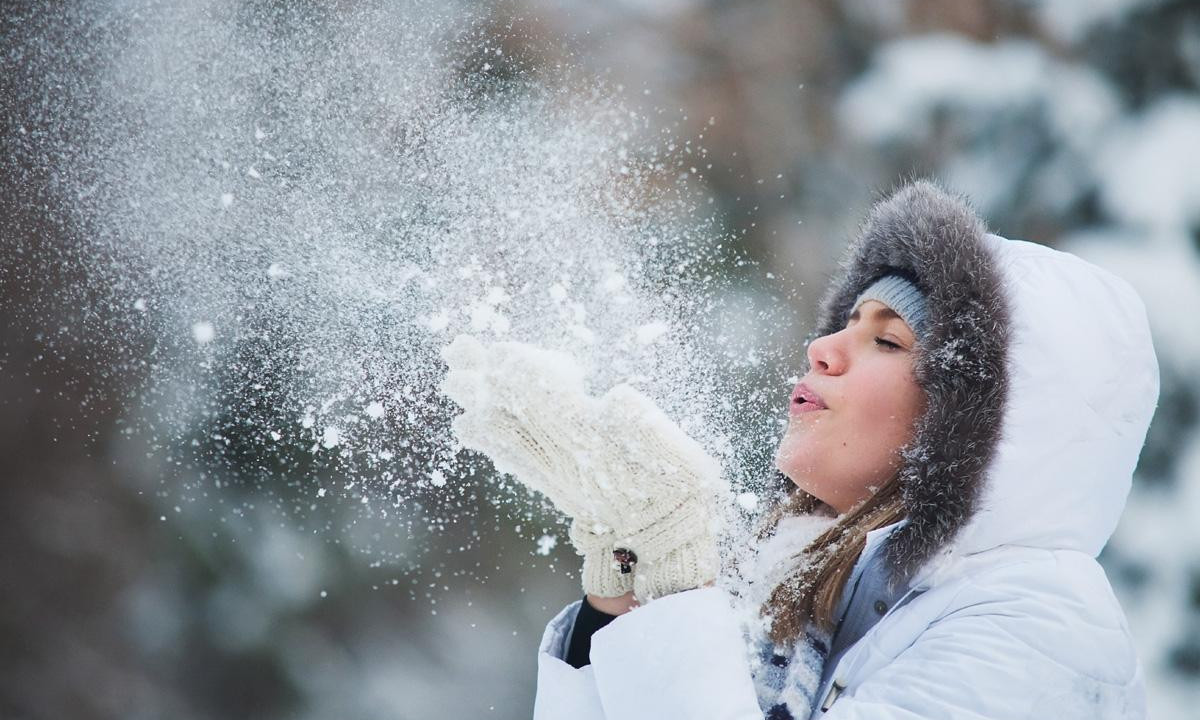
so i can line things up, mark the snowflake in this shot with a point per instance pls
(546, 543)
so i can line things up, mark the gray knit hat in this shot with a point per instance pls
(901, 295)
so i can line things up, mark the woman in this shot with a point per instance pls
(969, 422)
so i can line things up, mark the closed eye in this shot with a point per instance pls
(887, 343)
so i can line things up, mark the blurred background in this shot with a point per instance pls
(1073, 123)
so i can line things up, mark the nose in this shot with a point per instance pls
(826, 355)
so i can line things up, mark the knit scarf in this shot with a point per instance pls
(786, 678)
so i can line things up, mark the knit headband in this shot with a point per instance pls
(902, 296)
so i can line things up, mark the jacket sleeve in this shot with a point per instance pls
(587, 621)
(682, 655)
(564, 691)
(1001, 661)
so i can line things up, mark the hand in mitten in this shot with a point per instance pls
(631, 479)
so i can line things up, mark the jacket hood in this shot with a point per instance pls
(1039, 375)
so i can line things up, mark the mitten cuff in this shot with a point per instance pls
(688, 566)
(602, 576)
(601, 573)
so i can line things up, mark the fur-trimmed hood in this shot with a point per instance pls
(1040, 381)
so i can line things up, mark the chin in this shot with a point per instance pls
(800, 471)
(795, 474)
(791, 461)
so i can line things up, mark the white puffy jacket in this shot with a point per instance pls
(1016, 619)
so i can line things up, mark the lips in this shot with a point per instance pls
(805, 399)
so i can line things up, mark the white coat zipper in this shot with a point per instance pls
(840, 682)
(834, 691)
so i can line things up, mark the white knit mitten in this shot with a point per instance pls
(631, 479)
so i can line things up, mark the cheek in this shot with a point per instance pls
(888, 411)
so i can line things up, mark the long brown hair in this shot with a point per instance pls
(810, 592)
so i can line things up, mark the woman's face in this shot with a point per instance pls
(843, 445)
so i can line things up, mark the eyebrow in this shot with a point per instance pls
(883, 313)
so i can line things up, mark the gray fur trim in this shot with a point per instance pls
(936, 240)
